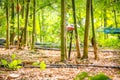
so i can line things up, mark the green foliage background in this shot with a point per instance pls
(48, 14)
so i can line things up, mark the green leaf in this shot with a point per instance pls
(42, 65)
(13, 56)
(19, 61)
(100, 76)
(4, 62)
(18, 67)
(35, 63)
(81, 76)
(14, 64)
(10, 66)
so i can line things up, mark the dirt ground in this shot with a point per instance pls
(106, 58)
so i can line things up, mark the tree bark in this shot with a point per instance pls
(12, 33)
(7, 27)
(26, 22)
(34, 24)
(76, 33)
(23, 2)
(105, 19)
(18, 24)
(63, 31)
(93, 33)
(87, 24)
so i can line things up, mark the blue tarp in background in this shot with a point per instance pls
(112, 30)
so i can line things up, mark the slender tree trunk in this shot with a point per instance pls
(22, 30)
(93, 33)
(7, 27)
(115, 18)
(12, 33)
(23, 9)
(34, 24)
(18, 24)
(105, 21)
(69, 52)
(87, 24)
(76, 33)
(63, 31)
(115, 14)
(105, 18)
(26, 22)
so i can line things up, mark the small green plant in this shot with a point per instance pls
(100, 76)
(4, 63)
(13, 56)
(36, 63)
(42, 65)
(85, 75)
(14, 64)
(81, 76)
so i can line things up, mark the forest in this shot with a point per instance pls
(59, 40)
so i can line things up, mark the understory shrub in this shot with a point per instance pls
(85, 76)
(14, 64)
(109, 42)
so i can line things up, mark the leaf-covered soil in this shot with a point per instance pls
(106, 58)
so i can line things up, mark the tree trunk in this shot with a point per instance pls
(87, 24)
(76, 33)
(93, 33)
(22, 29)
(23, 9)
(7, 27)
(34, 24)
(115, 18)
(63, 31)
(18, 24)
(105, 20)
(26, 22)
(12, 33)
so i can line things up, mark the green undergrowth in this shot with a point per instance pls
(86, 76)
(13, 64)
(110, 42)
(41, 64)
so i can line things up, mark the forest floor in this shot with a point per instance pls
(106, 58)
